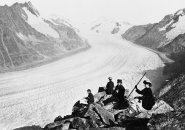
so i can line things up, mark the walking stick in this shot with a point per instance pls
(136, 85)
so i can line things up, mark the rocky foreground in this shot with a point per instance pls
(167, 114)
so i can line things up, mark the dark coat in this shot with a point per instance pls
(109, 87)
(90, 98)
(121, 92)
(148, 99)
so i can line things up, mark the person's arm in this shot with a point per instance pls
(88, 97)
(139, 91)
(116, 88)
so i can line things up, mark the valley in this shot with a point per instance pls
(38, 95)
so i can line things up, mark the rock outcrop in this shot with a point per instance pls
(168, 113)
(173, 94)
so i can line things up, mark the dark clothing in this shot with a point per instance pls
(148, 100)
(147, 92)
(121, 92)
(109, 100)
(79, 109)
(90, 98)
(109, 87)
(118, 97)
(101, 89)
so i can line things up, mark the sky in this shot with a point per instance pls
(133, 11)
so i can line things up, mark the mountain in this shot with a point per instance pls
(28, 39)
(160, 35)
(108, 26)
(167, 36)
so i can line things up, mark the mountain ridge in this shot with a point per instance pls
(27, 38)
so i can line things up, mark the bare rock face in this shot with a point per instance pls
(26, 38)
(135, 32)
(176, 46)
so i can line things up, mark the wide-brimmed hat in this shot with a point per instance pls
(146, 82)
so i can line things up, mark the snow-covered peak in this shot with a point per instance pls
(175, 26)
(31, 8)
(60, 20)
(180, 12)
(109, 26)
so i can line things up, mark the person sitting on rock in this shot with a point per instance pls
(147, 99)
(109, 87)
(90, 98)
(118, 96)
(119, 91)
(122, 102)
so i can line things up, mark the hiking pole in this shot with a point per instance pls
(136, 84)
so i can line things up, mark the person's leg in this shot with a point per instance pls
(111, 99)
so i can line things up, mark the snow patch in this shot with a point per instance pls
(180, 12)
(39, 24)
(106, 26)
(164, 28)
(179, 28)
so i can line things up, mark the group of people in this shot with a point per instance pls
(118, 95)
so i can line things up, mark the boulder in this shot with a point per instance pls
(99, 96)
(133, 123)
(79, 109)
(96, 112)
(110, 128)
(80, 124)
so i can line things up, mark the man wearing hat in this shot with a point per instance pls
(147, 97)
(109, 87)
(118, 95)
(120, 90)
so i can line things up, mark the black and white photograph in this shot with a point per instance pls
(92, 64)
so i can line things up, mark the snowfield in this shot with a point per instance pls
(36, 96)
(178, 28)
(40, 25)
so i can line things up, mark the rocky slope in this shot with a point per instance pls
(27, 38)
(173, 93)
(98, 117)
